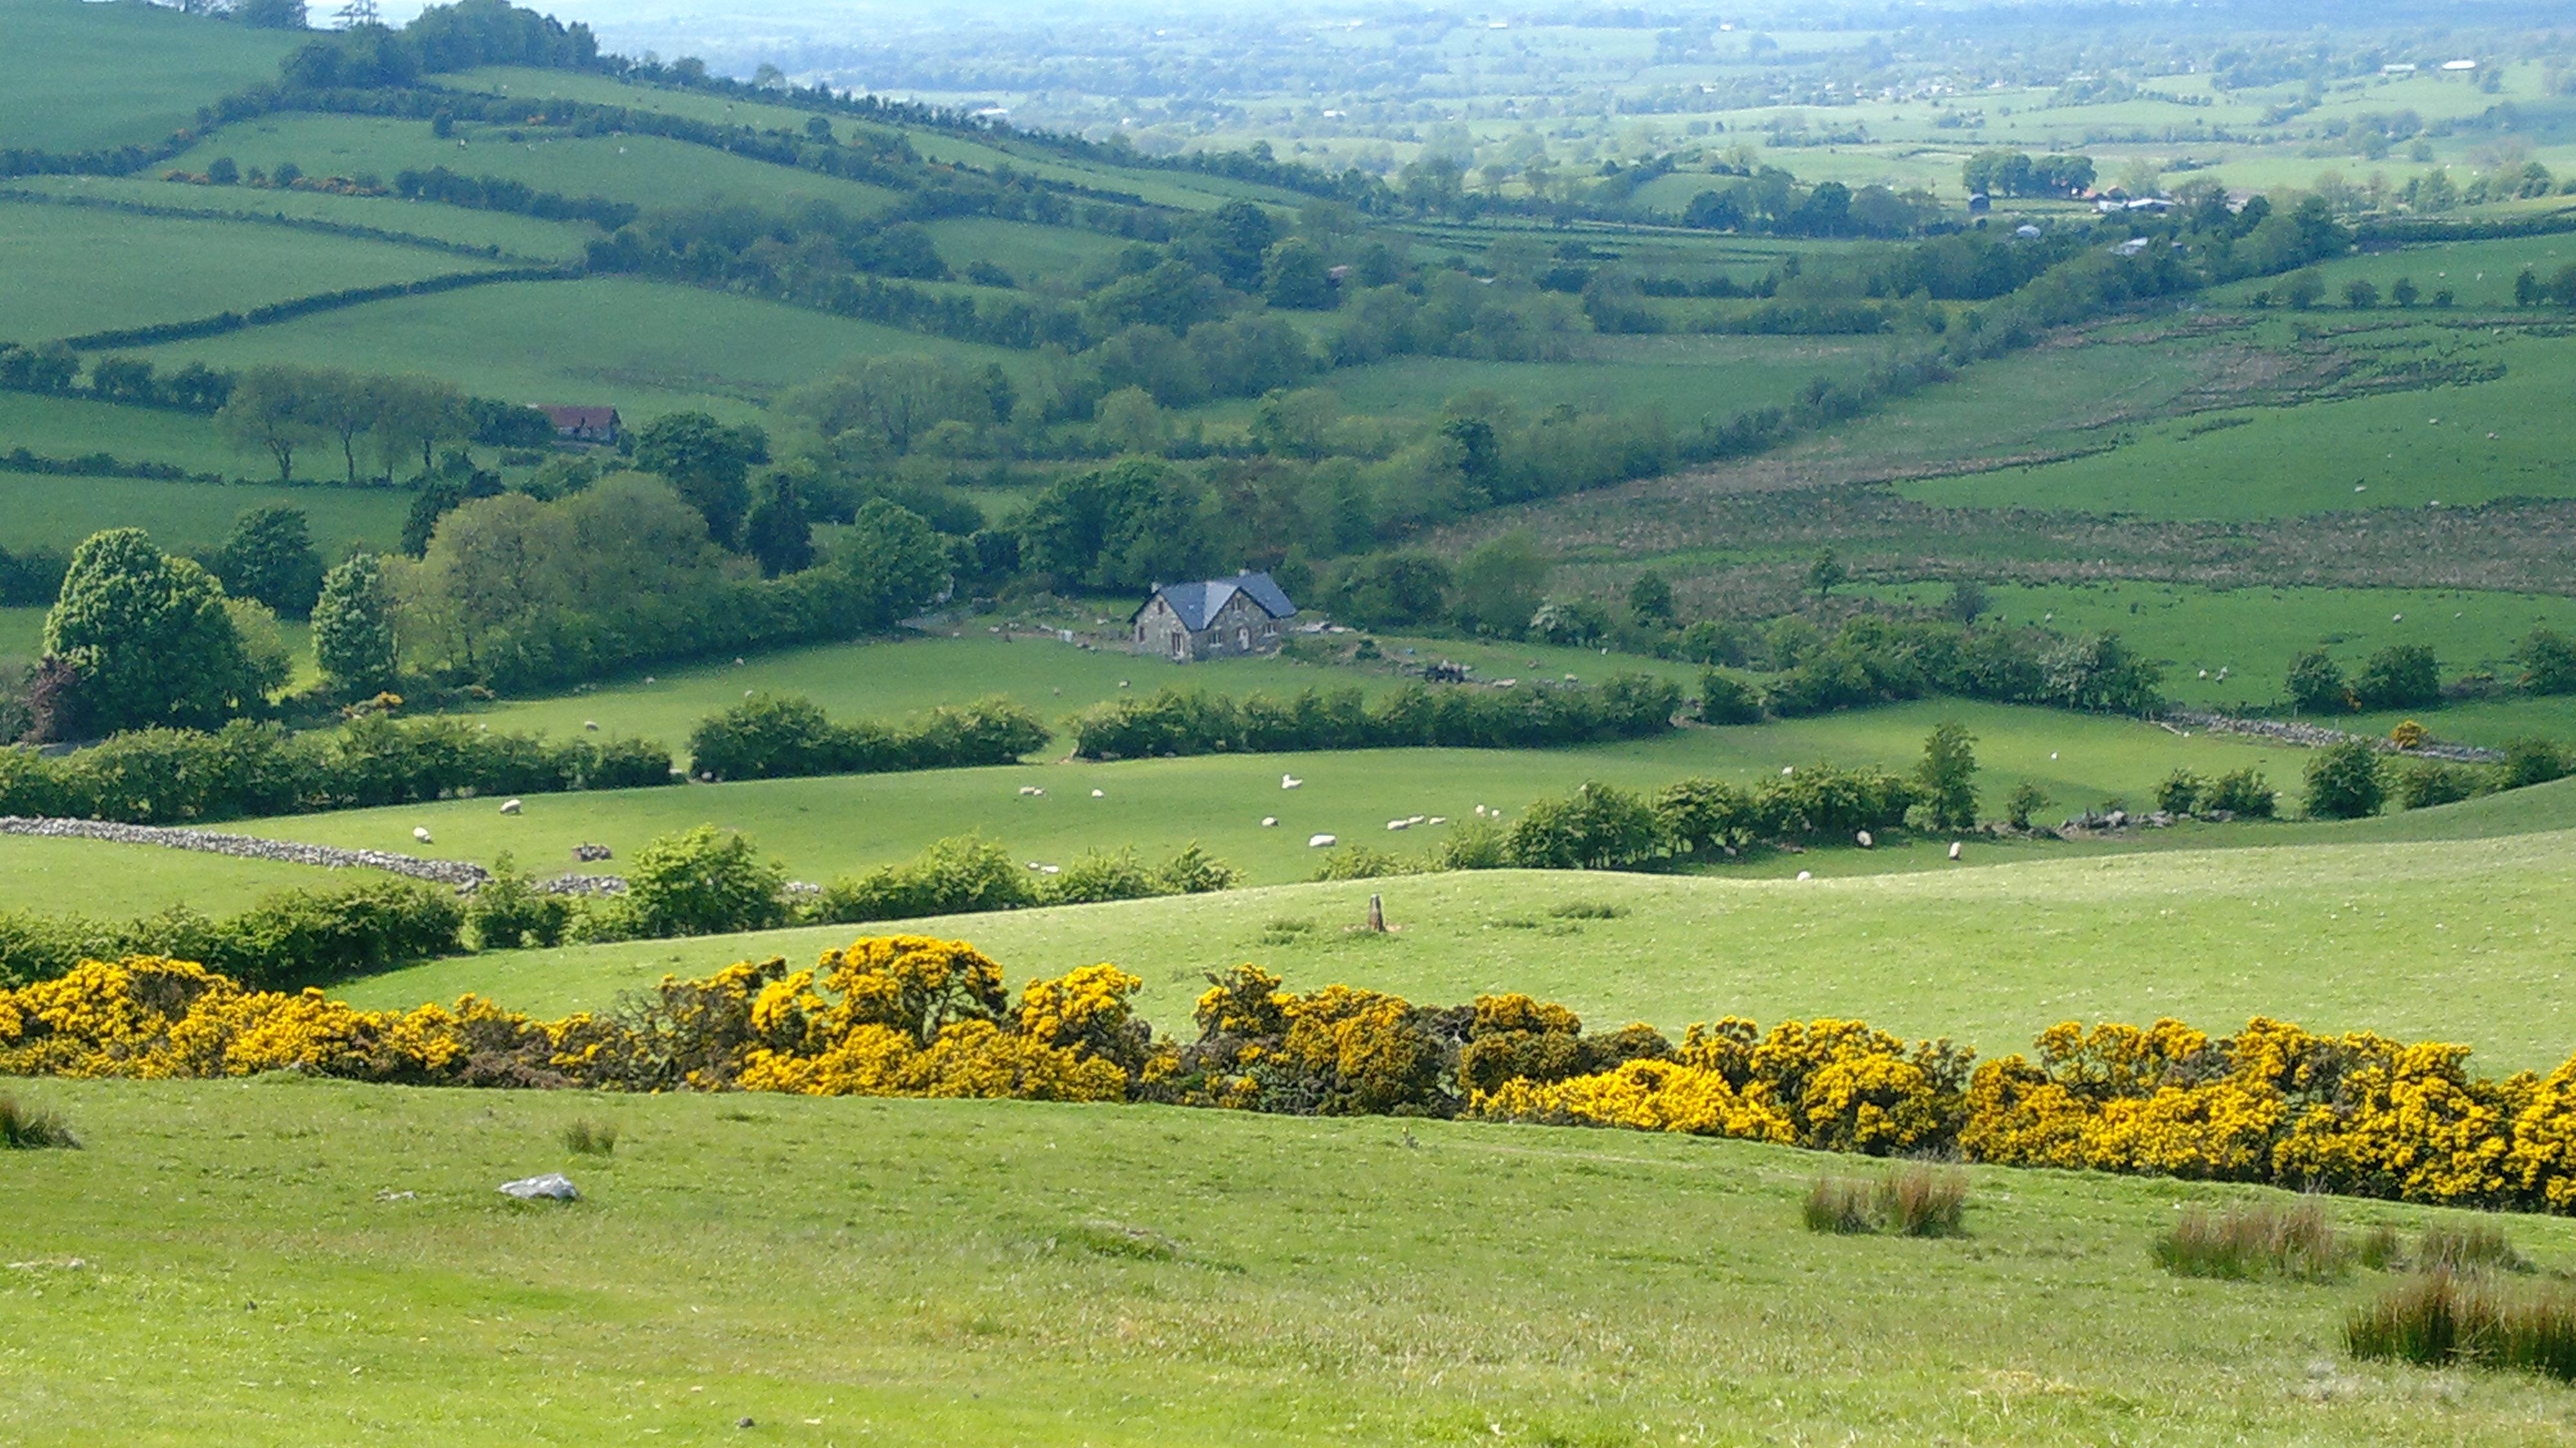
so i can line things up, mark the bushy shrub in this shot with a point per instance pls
(1472, 844)
(1195, 872)
(2425, 783)
(2440, 1319)
(1726, 699)
(2476, 1248)
(2345, 781)
(22, 1129)
(961, 875)
(2317, 686)
(2548, 662)
(1598, 827)
(2026, 799)
(1838, 1205)
(508, 911)
(310, 937)
(774, 737)
(1815, 801)
(2531, 760)
(1914, 1200)
(705, 881)
(1361, 862)
(585, 1137)
(2180, 793)
(2401, 676)
(1095, 876)
(1190, 722)
(2244, 793)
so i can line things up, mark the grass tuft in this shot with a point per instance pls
(1588, 910)
(2253, 1241)
(25, 1130)
(586, 1137)
(1838, 1204)
(1915, 1200)
(1117, 1239)
(2479, 1248)
(2441, 1318)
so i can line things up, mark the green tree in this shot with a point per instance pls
(2317, 685)
(270, 14)
(707, 462)
(1650, 600)
(2302, 289)
(1948, 777)
(1598, 827)
(704, 882)
(271, 411)
(1294, 274)
(2401, 676)
(2345, 782)
(268, 662)
(416, 414)
(778, 533)
(2361, 294)
(1826, 574)
(1498, 585)
(270, 557)
(2548, 662)
(895, 564)
(2404, 292)
(353, 629)
(147, 638)
(2026, 799)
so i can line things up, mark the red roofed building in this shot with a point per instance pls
(585, 424)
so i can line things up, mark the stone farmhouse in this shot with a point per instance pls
(1217, 618)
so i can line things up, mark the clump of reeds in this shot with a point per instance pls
(2257, 1239)
(22, 1129)
(586, 1137)
(2479, 1248)
(2442, 1318)
(1913, 1200)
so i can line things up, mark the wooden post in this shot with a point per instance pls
(1377, 915)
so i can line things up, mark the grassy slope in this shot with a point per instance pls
(93, 878)
(822, 827)
(68, 270)
(1689, 377)
(2462, 940)
(116, 75)
(644, 170)
(2254, 633)
(949, 1272)
(517, 237)
(60, 512)
(64, 427)
(647, 348)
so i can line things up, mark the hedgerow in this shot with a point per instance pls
(770, 736)
(1192, 721)
(900, 1015)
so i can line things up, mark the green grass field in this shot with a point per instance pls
(118, 75)
(275, 1262)
(2455, 445)
(53, 512)
(22, 633)
(2254, 633)
(823, 827)
(72, 427)
(596, 340)
(517, 237)
(1690, 377)
(2456, 939)
(644, 170)
(68, 270)
(103, 881)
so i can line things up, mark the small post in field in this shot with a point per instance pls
(1377, 915)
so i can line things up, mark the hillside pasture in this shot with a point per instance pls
(113, 882)
(120, 75)
(647, 171)
(512, 238)
(2458, 940)
(67, 271)
(938, 1272)
(1689, 377)
(2253, 634)
(58, 512)
(641, 346)
(75, 427)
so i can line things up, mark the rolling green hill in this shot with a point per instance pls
(120, 74)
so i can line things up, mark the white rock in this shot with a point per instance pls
(1319, 842)
(511, 806)
(554, 1186)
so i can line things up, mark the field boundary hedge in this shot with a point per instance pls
(912, 1016)
(314, 224)
(1176, 721)
(295, 307)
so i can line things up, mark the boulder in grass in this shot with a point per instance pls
(554, 1186)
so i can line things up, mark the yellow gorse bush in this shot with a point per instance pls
(911, 1015)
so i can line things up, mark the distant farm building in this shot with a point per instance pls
(1218, 618)
(586, 424)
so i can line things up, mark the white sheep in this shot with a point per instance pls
(1413, 819)
(510, 806)
(1052, 870)
(1321, 842)
(1399, 824)
(420, 833)
(1289, 781)
(1270, 822)
(1096, 794)
(1867, 842)
(1788, 769)
(1806, 874)
(591, 725)
(1439, 819)
(1955, 847)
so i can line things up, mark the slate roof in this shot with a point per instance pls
(1198, 603)
(581, 419)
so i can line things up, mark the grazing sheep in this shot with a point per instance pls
(1413, 819)
(1439, 819)
(510, 806)
(1321, 842)
(1788, 769)
(591, 725)
(1096, 794)
(1954, 849)
(420, 833)
(1052, 870)
(1270, 822)
(1866, 842)
(648, 678)
(1399, 824)
(1806, 874)
(1289, 781)
(1480, 811)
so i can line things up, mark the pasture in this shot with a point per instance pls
(277, 1260)
(53, 512)
(120, 75)
(67, 270)
(513, 238)
(1689, 377)
(2253, 633)
(828, 826)
(75, 427)
(645, 347)
(646, 171)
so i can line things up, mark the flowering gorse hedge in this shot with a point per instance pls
(915, 1016)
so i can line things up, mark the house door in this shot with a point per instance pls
(1180, 644)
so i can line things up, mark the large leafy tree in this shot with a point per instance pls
(147, 637)
(353, 629)
(707, 462)
(270, 557)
